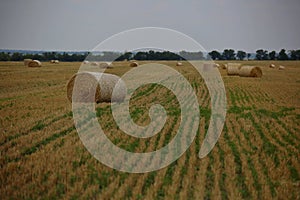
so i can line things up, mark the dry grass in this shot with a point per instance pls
(256, 157)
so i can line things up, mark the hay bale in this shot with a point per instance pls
(26, 61)
(133, 64)
(233, 69)
(281, 67)
(106, 65)
(179, 64)
(222, 66)
(216, 65)
(94, 64)
(34, 63)
(54, 61)
(86, 62)
(250, 71)
(272, 66)
(235, 65)
(104, 84)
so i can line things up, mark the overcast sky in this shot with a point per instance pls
(215, 24)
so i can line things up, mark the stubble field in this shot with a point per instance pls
(256, 157)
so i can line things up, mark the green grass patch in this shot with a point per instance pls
(224, 193)
(238, 168)
(256, 183)
(39, 126)
(148, 182)
(238, 110)
(269, 148)
(210, 177)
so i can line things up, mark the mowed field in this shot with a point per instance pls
(256, 157)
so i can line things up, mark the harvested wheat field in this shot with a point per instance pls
(256, 157)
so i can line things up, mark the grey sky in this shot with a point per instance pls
(215, 24)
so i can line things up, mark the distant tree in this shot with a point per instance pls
(248, 55)
(151, 55)
(65, 57)
(196, 55)
(298, 54)
(16, 56)
(4, 56)
(74, 57)
(49, 56)
(282, 55)
(261, 54)
(28, 55)
(228, 54)
(141, 55)
(272, 55)
(38, 57)
(295, 54)
(167, 55)
(215, 55)
(107, 56)
(191, 55)
(241, 55)
(266, 55)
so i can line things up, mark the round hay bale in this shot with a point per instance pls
(250, 71)
(281, 67)
(133, 64)
(179, 64)
(272, 66)
(233, 69)
(26, 61)
(52, 61)
(34, 63)
(86, 62)
(94, 64)
(234, 64)
(56, 61)
(222, 66)
(106, 65)
(216, 65)
(104, 84)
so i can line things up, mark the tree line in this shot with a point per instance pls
(45, 56)
(230, 54)
(227, 54)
